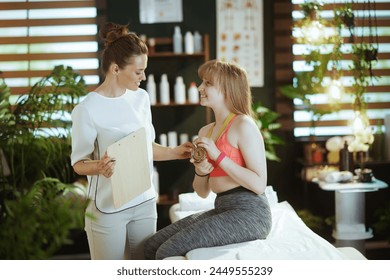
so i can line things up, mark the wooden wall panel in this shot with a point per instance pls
(283, 60)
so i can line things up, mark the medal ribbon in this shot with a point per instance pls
(223, 127)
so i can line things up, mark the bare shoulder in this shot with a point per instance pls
(203, 131)
(243, 131)
(244, 123)
(248, 133)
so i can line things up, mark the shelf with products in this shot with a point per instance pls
(164, 62)
(163, 47)
(184, 118)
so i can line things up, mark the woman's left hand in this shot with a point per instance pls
(209, 145)
(183, 151)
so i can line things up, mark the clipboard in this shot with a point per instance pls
(131, 176)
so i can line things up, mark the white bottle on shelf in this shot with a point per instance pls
(180, 91)
(151, 89)
(163, 140)
(198, 46)
(177, 40)
(193, 93)
(189, 43)
(183, 137)
(172, 139)
(164, 90)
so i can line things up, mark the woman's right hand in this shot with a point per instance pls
(203, 167)
(106, 166)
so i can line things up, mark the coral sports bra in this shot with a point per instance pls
(223, 145)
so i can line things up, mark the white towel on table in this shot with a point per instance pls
(193, 202)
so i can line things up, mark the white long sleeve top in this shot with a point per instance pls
(100, 121)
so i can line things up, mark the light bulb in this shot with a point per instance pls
(360, 122)
(335, 90)
(313, 32)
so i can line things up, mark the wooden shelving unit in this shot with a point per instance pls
(175, 176)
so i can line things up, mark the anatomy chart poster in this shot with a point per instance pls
(240, 36)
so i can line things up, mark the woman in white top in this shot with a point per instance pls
(110, 112)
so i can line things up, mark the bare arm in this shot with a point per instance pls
(246, 136)
(251, 144)
(161, 153)
(104, 166)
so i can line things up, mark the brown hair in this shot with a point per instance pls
(120, 45)
(232, 81)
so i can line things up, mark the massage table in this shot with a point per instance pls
(289, 238)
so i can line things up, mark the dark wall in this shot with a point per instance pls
(198, 15)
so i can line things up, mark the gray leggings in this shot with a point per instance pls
(239, 215)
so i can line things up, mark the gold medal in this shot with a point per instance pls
(198, 153)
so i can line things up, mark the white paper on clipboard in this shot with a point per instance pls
(131, 176)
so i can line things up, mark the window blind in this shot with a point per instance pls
(290, 60)
(35, 36)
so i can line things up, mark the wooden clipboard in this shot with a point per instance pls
(131, 175)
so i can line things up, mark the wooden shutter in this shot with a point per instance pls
(284, 73)
(37, 35)
(378, 94)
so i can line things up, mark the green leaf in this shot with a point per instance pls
(266, 121)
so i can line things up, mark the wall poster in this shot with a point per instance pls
(156, 11)
(240, 36)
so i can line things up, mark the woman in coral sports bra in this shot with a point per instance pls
(234, 168)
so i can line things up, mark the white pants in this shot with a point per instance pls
(121, 235)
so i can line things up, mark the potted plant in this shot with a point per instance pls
(37, 208)
(266, 121)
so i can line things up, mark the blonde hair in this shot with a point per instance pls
(232, 81)
(120, 45)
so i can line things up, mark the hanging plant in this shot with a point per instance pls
(346, 17)
(312, 27)
(319, 61)
(311, 7)
(363, 57)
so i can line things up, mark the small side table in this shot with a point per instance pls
(350, 206)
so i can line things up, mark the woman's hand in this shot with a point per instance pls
(183, 151)
(203, 167)
(209, 145)
(106, 166)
